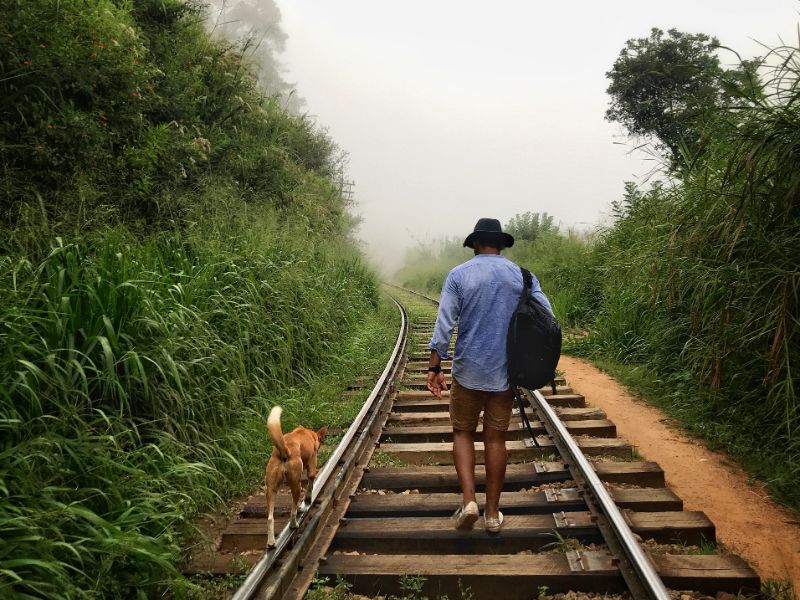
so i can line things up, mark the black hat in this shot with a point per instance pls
(489, 229)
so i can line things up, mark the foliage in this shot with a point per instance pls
(426, 265)
(174, 260)
(135, 379)
(132, 107)
(701, 281)
(561, 261)
(321, 590)
(529, 226)
(665, 84)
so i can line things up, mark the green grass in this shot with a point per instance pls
(175, 258)
(136, 378)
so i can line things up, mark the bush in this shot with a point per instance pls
(174, 259)
(701, 282)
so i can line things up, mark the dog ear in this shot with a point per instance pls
(321, 434)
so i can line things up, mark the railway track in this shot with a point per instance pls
(583, 513)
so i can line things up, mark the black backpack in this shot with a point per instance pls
(533, 346)
(534, 341)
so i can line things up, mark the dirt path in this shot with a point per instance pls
(747, 521)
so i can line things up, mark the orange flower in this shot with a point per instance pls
(26, 62)
(42, 46)
(50, 126)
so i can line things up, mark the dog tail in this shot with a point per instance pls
(275, 433)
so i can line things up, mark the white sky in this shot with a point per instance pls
(455, 110)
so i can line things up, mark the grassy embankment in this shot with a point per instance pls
(692, 295)
(174, 259)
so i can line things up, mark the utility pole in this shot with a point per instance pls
(346, 188)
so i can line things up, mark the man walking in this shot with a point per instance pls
(481, 295)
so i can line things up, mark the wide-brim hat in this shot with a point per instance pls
(489, 230)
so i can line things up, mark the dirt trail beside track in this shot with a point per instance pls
(747, 521)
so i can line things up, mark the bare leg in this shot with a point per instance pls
(496, 458)
(464, 459)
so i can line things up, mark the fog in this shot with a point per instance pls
(451, 111)
(255, 25)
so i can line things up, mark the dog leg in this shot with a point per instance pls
(294, 470)
(311, 472)
(270, 520)
(272, 483)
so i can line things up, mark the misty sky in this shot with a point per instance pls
(454, 110)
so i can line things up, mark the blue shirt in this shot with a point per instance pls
(481, 295)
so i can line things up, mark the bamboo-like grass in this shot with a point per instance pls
(702, 285)
(175, 258)
(135, 378)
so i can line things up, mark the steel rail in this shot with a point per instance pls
(421, 295)
(282, 543)
(639, 573)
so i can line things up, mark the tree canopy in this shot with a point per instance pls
(530, 225)
(662, 85)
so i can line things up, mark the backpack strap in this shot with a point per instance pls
(527, 278)
(523, 417)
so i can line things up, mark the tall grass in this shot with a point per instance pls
(174, 259)
(131, 373)
(702, 281)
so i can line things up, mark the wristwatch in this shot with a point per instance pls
(435, 369)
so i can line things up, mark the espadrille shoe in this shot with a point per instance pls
(466, 516)
(494, 524)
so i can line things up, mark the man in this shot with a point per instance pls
(481, 295)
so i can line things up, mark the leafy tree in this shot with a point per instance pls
(662, 85)
(530, 225)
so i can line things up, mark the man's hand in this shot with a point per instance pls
(436, 383)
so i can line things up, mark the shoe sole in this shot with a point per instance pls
(466, 522)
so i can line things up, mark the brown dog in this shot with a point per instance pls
(291, 453)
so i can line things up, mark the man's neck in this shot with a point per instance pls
(481, 251)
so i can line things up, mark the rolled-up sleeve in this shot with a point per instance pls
(449, 309)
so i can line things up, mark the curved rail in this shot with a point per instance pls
(420, 294)
(641, 577)
(325, 477)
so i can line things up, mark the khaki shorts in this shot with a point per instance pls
(466, 406)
